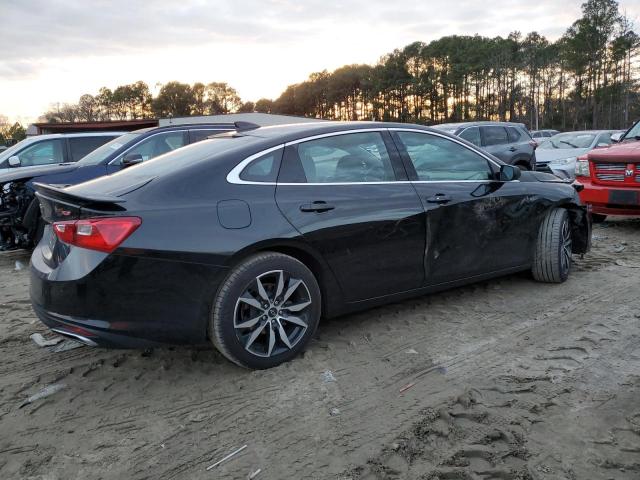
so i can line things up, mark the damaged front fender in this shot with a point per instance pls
(580, 229)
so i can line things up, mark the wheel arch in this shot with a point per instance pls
(332, 299)
(522, 160)
(580, 226)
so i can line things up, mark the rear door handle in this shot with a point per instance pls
(317, 206)
(439, 198)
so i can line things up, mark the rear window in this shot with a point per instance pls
(81, 146)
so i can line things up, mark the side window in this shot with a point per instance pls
(81, 146)
(349, 158)
(42, 153)
(263, 169)
(514, 134)
(158, 144)
(438, 158)
(494, 136)
(472, 135)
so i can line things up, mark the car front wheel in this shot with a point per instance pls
(552, 257)
(266, 311)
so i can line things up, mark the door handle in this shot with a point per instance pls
(439, 198)
(317, 206)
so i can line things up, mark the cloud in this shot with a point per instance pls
(44, 29)
(55, 51)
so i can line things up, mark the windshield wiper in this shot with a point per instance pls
(569, 143)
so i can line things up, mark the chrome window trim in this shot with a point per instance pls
(112, 162)
(452, 138)
(233, 176)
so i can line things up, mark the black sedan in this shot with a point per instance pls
(248, 238)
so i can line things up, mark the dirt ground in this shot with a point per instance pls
(506, 379)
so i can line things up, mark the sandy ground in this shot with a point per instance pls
(506, 379)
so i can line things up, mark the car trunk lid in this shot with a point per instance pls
(59, 204)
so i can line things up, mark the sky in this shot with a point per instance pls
(55, 51)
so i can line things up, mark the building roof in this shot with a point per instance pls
(69, 127)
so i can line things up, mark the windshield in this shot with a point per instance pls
(101, 153)
(568, 140)
(634, 133)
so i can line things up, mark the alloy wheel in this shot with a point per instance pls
(566, 247)
(272, 314)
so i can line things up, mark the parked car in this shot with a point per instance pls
(246, 239)
(52, 149)
(3, 148)
(611, 177)
(510, 142)
(558, 155)
(20, 220)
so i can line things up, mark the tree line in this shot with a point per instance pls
(588, 78)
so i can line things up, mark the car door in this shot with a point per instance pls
(475, 224)
(46, 152)
(495, 140)
(348, 195)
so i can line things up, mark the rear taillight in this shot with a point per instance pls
(582, 167)
(102, 234)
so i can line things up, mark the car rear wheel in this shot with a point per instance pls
(266, 311)
(598, 217)
(552, 257)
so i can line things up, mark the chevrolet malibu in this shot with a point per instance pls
(249, 238)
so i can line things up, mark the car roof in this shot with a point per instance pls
(46, 136)
(294, 131)
(451, 126)
(188, 126)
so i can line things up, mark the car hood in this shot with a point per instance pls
(31, 172)
(619, 152)
(544, 155)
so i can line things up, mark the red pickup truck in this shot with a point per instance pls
(611, 177)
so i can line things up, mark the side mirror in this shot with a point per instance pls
(14, 161)
(509, 172)
(616, 137)
(131, 159)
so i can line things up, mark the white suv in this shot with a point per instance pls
(54, 148)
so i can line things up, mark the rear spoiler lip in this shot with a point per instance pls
(61, 194)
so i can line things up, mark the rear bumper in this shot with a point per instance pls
(126, 301)
(597, 198)
(85, 331)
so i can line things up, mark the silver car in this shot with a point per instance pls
(51, 149)
(558, 154)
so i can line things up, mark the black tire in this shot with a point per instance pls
(598, 217)
(252, 347)
(522, 167)
(552, 256)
